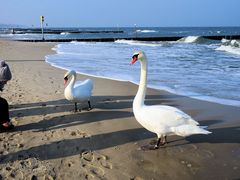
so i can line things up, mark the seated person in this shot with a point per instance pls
(5, 75)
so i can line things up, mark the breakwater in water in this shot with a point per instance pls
(175, 38)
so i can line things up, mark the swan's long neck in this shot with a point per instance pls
(72, 82)
(140, 96)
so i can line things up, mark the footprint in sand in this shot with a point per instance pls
(11, 142)
(95, 164)
(103, 160)
(87, 156)
(16, 174)
(28, 168)
(60, 134)
(96, 171)
(79, 133)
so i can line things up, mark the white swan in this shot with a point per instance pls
(161, 119)
(79, 92)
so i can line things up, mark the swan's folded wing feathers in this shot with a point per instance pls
(86, 84)
(79, 83)
(166, 115)
(180, 115)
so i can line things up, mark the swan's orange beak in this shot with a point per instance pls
(65, 81)
(134, 59)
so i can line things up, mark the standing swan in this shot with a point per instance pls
(161, 119)
(79, 92)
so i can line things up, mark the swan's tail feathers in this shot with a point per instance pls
(187, 130)
(193, 122)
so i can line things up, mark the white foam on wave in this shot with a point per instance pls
(64, 33)
(138, 43)
(15, 35)
(190, 39)
(6, 35)
(146, 31)
(78, 42)
(195, 95)
(231, 46)
(55, 48)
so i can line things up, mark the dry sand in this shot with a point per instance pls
(50, 141)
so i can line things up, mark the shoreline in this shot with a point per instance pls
(210, 99)
(221, 101)
(104, 143)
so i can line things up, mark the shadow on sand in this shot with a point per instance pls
(70, 147)
(99, 102)
(73, 120)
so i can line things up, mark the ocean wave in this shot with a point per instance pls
(78, 42)
(233, 43)
(146, 31)
(185, 69)
(6, 35)
(191, 39)
(64, 33)
(138, 43)
(231, 46)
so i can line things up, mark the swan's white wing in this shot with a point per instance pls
(165, 116)
(83, 90)
(181, 115)
(83, 83)
(165, 120)
(78, 83)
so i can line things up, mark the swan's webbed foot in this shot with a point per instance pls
(155, 144)
(161, 142)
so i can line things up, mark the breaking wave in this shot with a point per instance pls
(231, 46)
(146, 31)
(191, 39)
(138, 43)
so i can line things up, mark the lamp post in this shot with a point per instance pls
(42, 21)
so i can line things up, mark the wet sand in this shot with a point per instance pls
(50, 141)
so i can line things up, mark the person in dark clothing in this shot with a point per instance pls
(5, 75)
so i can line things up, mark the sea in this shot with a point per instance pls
(192, 66)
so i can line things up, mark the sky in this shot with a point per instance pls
(121, 13)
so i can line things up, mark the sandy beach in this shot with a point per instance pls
(51, 141)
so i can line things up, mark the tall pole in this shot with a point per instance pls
(42, 23)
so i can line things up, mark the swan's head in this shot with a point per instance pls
(68, 76)
(138, 55)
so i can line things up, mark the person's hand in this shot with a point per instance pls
(7, 124)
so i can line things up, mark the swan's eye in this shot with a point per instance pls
(66, 78)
